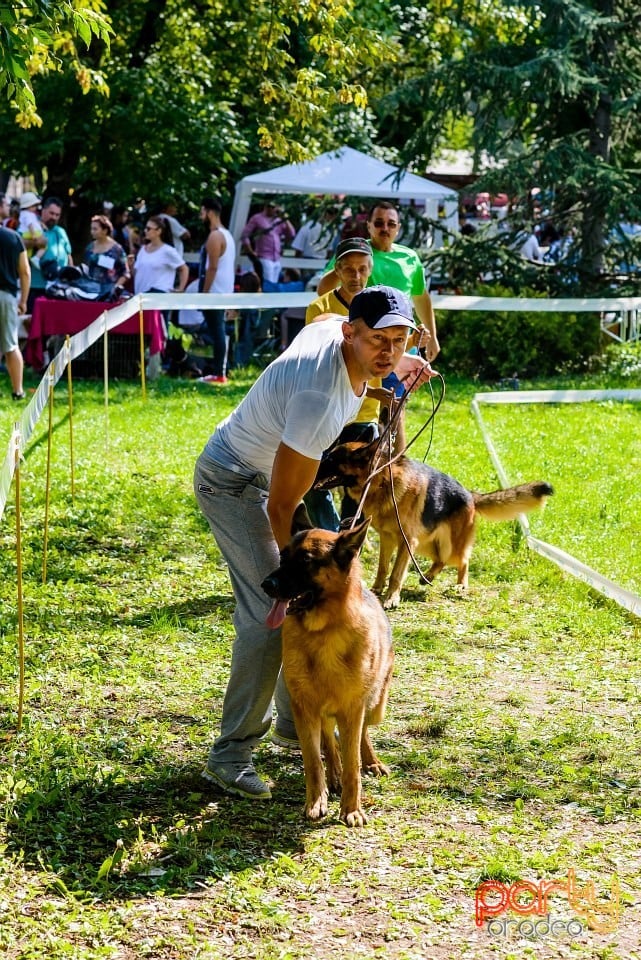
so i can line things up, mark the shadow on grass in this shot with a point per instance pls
(125, 831)
(194, 607)
(173, 831)
(42, 439)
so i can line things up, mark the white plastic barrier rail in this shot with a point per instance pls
(262, 301)
(625, 598)
(80, 342)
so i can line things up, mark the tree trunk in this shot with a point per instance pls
(600, 132)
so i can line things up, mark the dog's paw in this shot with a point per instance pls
(335, 782)
(354, 818)
(392, 602)
(376, 769)
(318, 808)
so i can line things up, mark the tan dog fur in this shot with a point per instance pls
(337, 662)
(437, 514)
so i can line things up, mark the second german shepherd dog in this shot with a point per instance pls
(437, 514)
(337, 662)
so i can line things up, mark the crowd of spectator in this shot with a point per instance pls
(142, 248)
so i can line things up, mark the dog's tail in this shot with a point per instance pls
(507, 504)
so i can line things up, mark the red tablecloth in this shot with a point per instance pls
(51, 317)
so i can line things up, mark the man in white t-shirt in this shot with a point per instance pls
(315, 239)
(179, 233)
(216, 275)
(251, 476)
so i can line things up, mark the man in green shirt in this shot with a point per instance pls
(394, 265)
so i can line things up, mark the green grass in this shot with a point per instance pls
(513, 730)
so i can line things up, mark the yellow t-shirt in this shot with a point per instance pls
(330, 303)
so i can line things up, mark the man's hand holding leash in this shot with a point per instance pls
(413, 371)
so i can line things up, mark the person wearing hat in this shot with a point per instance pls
(29, 206)
(29, 224)
(353, 266)
(396, 265)
(15, 274)
(353, 263)
(52, 246)
(255, 469)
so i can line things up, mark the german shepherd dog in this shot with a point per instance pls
(437, 514)
(337, 662)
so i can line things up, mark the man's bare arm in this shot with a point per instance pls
(292, 476)
(425, 313)
(24, 276)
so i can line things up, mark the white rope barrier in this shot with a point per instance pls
(544, 305)
(625, 598)
(271, 301)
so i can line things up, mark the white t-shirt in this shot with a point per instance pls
(226, 269)
(177, 231)
(30, 224)
(314, 240)
(530, 249)
(157, 269)
(303, 399)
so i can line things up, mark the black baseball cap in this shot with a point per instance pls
(381, 307)
(353, 245)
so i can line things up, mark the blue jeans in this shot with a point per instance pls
(235, 507)
(247, 324)
(215, 320)
(321, 509)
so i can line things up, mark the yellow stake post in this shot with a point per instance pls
(51, 377)
(143, 380)
(19, 579)
(105, 359)
(70, 392)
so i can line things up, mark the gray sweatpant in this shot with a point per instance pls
(236, 510)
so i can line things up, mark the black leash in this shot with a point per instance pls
(386, 440)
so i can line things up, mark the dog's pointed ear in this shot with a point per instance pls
(368, 450)
(349, 543)
(301, 519)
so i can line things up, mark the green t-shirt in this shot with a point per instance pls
(400, 268)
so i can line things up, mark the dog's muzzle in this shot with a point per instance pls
(270, 585)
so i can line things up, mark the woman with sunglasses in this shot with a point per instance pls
(159, 268)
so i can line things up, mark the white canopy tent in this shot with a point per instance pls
(344, 171)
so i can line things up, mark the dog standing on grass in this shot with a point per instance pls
(436, 513)
(337, 663)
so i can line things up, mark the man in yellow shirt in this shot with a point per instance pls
(394, 265)
(353, 266)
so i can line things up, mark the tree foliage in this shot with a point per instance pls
(550, 88)
(199, 94)
(40, 36)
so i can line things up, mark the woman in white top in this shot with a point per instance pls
(158, 261)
